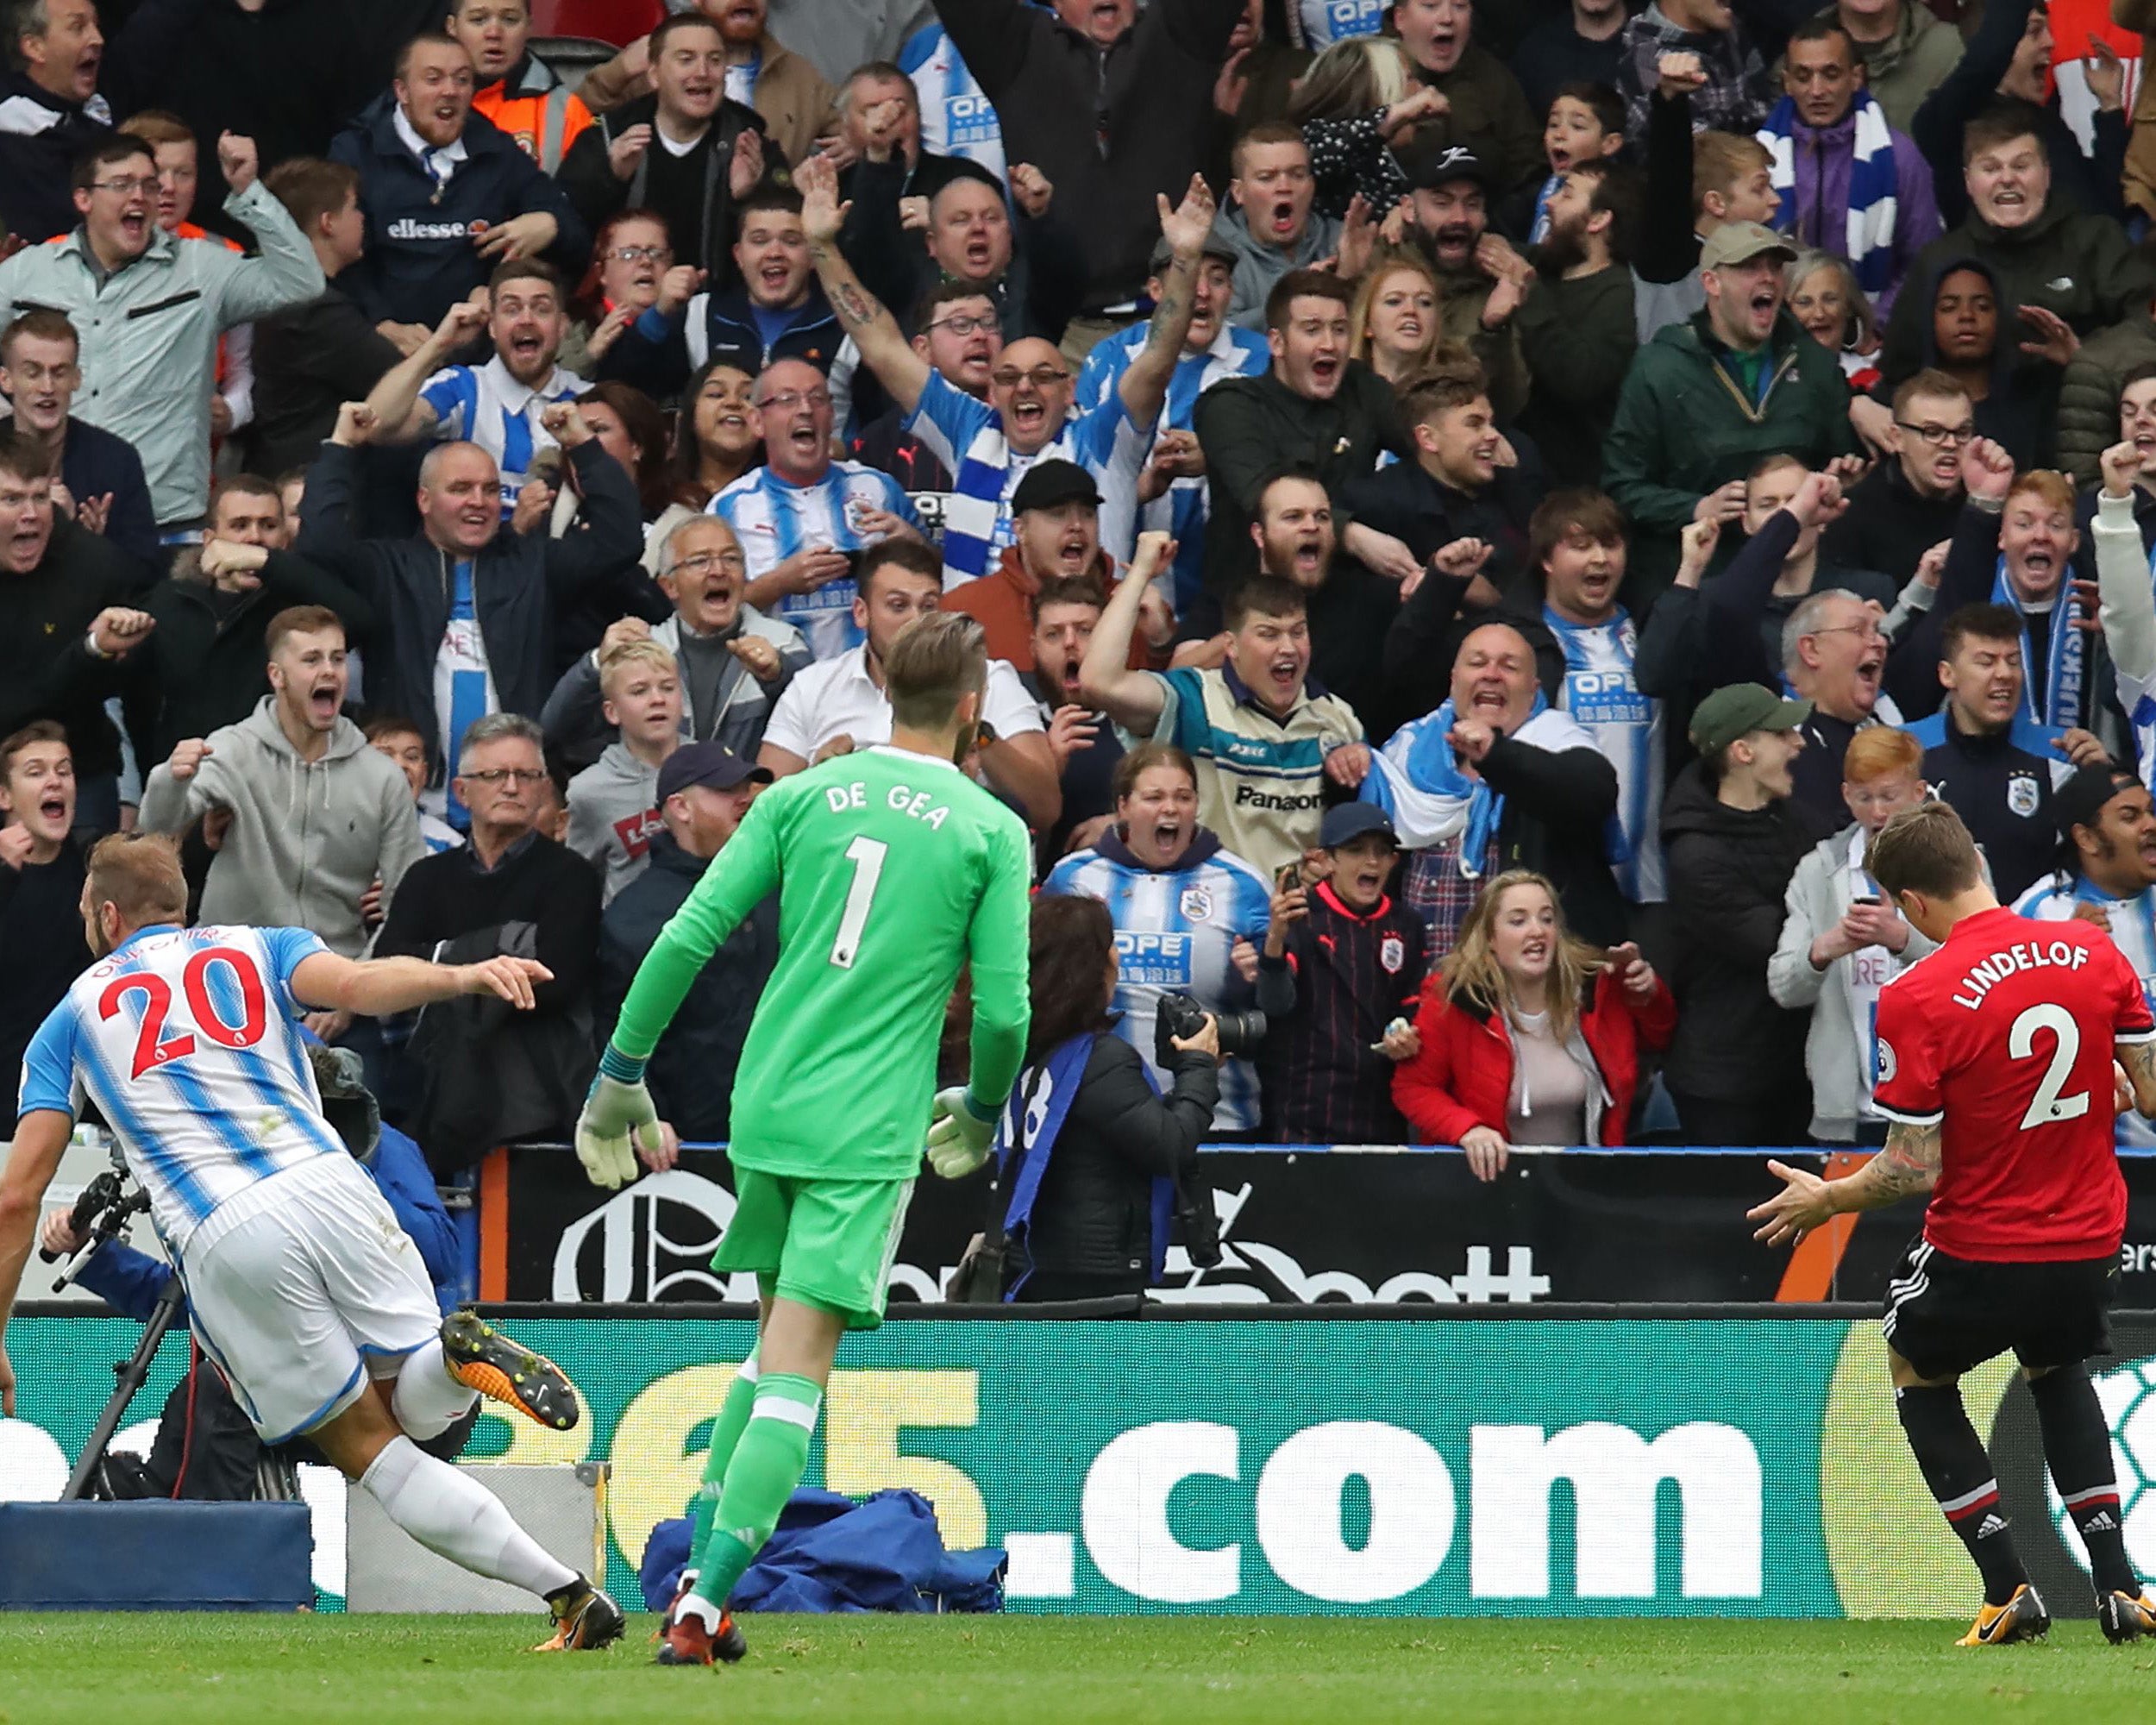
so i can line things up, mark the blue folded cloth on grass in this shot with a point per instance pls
(831, 1554)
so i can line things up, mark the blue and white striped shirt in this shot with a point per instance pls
(485, 405)
(773, 518)
(463, 692)
(966, 437)
(1602, 697)
(1182, 513)
(957, 119)
(1175, 932)
(1326, 21)
(188, 1041)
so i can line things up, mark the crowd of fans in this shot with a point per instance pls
(1479, 510)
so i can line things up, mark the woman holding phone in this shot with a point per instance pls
(1842, 943)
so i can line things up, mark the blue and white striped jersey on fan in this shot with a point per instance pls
(1601, 695)
(1181, 512)
(485, 405)
(1323, 22)
(1175, 932)
(463, 692)
(187, 1039)
(957, 119)
(966, 437)
(773, 518)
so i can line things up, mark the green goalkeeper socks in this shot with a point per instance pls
(767, 1463)
(726, 1430)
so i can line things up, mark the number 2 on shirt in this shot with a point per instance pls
(867, 856)
(2048, 1107)
(152, 1049)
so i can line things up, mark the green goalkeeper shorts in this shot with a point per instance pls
(823, 1243)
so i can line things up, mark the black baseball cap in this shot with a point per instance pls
(707, 763)
(1431, 165)
(2080, 800)
(1049, 484)
(1344, 822)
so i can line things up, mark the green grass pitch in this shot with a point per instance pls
(187, 1669)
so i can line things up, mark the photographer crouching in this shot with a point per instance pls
(205, 1448)
(1089, 1179)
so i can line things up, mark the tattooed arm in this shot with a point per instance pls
(2139, 1060)
(1144, 383)
(903, 373)
(1908, 1167)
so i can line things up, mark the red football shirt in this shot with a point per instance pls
(2006, 1034)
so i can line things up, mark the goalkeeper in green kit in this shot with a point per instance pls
(893, 869)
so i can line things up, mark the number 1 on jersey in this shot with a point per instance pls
(867, 856)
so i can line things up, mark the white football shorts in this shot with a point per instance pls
(303, 1287)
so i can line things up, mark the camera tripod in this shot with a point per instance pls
(108, 1200)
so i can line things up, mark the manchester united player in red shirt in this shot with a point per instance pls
(1996, 1069)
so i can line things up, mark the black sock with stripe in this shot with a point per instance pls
(1959, 1471)
(2078, 1450)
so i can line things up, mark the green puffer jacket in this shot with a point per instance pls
(1683, 427)
(2089, 394)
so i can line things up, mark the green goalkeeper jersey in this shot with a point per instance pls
(893, 870)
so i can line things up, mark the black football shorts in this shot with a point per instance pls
(1947, 1315)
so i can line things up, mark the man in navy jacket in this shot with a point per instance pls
(514, 585)
(446, 195)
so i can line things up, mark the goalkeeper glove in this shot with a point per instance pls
(617, 1120)
(958, 1139)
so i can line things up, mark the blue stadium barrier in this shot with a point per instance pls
(155, 1556)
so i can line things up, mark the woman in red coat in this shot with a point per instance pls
(1528, 1035)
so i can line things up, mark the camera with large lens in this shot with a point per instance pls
(1181, 1016)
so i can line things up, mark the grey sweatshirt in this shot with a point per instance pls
(1818, 896)
(308, 838)
(613, 812)
(1258, 266)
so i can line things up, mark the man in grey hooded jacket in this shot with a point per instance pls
(312, 814)
(1270, 227)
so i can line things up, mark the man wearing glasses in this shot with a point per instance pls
(509, 873)
(148, 307)
(736, 661)
(801, 516)
(956, 332)
(1030, 411)
(1909, 503)
(1777, 615)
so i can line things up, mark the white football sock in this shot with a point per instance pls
(426, 1401)
(451, 1514)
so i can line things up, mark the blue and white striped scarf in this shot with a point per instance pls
(1417, 782)
(976, 501)
(1869, 242)
(2051, 693)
